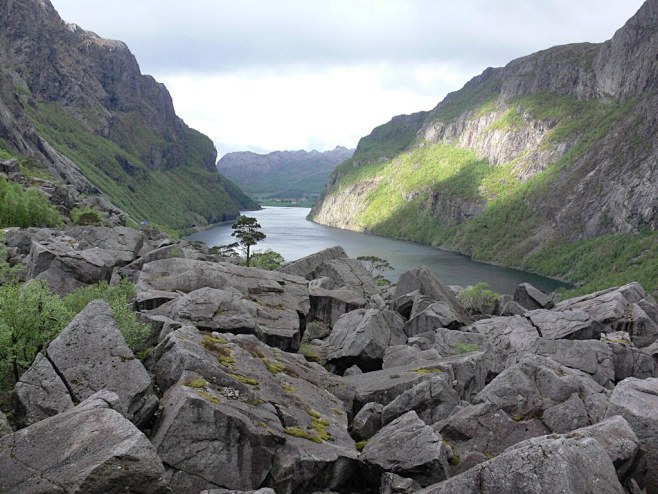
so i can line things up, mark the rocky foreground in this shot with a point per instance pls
(312, 379)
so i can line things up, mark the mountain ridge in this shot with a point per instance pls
(79, 105)
(553, 149)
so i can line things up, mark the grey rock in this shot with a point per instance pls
(327, 306)
(152, 299)
(316, 330)
(264, 490)
(306, 266)
(432, 400)
(40, 393)
(630, 361)
(350, 274)
(88, 356)
(400, 355)
(409, 448)
(479, 432)
(422, 279)
(592, 357)
(277, 302)
(508, 335)
(618, 309)
(359, 338)
(261, 394)
(90, 448)
(367, 422)
(616, 436)
(512, 308)
(550, 465)
(352, 371)
(637, 401)
(531, 298)
(236, 452)
(5, 427)
(572, 324)
(438, 315)
(537, 384)
(394, 484)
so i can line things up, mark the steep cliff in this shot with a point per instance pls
(542, 164)
(282, 174)
(79, 105)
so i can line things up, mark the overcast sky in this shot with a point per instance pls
(265, 75)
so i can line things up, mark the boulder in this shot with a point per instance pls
(409, 448)
(327, 306)
(306, 266)
(276, 302)
(360, 338)
(630, 361)
(625, 308)
(264, 490)
(437, 315)
(564, 398)
(592, 357)
(422, 279)
(88, 356)
(263, 398)
(400, 355)
(432, 400)
(91, 448)
(367, 422)
(508, 335)
(574, 466)
(571, 324)
(350, 274)
(479, 432)
(529, 297)
(394, 484)
(637, 401)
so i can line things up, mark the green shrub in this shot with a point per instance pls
(31, 315)
(478, 300)
(86, 216)
(25, 207)
(119, 297)
(268, 260)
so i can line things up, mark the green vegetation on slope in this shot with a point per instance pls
(415, 189)
(25, 207)
(177, 197)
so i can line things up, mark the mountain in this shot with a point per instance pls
(78, 106)
(282, 174)
(549, 164)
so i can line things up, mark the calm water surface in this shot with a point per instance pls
(289, 233)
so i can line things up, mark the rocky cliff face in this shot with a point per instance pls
(68, 95)
(282, 174)
(565, 142)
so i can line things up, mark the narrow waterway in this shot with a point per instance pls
(289, 233)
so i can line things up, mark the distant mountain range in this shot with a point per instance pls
(281, 175)
(77, 106)
(549, 163)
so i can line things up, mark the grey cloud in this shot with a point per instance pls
(225, 35)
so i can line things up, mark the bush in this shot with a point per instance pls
(268, 260)
(25, 207)
(86, 216)
(31, 315)
(478, 300)
(119, 297)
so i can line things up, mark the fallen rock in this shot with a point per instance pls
(88, 356)
(572, 324)
(550, 465)
(394, 484)
(409, 448)
(531, 298)
(306, 266)
(437, 315)
(296, 409)
(368, 421)
(637, 401)
(277, 302)
(5, 427)
(630, 361)
(564, 398)
(432, 400)
(360, 338)
(91, 448)
(420, 278)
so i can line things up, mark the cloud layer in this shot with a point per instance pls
(286, 74)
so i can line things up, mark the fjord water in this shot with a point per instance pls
(290, 234)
